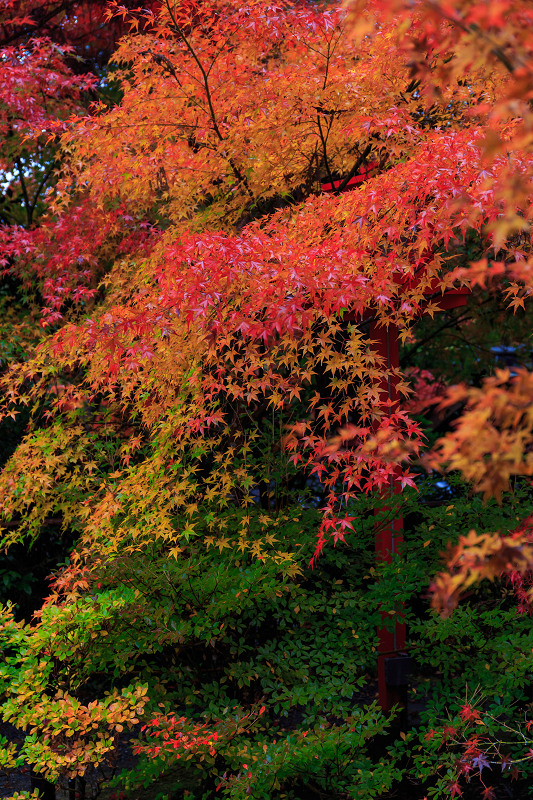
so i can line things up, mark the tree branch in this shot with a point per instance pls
(355, 169)
(324, 140)
(27, 205)
(205, 76)
(40, 186)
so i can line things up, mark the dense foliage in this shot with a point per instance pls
(199, 436)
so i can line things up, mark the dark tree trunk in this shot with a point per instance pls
(46, 790)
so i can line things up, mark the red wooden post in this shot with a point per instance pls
(390, 536)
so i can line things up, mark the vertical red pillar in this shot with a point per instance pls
(392, 691)
(388, 535)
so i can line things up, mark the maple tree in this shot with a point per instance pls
(207, 410)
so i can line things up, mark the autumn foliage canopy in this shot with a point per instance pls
(197, 291)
